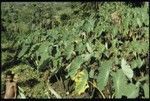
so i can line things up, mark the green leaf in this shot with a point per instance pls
(119, 80)
(146, 90)
(81, 48)
(76, 63)
(139, 22)
(138, 46)
(34, 48)
(43, 52)
(126, 69)
(89, 47)
(99, 47)
(21, 93)
(86, 57)
(20, 89)
(25, 48)
(122, 88)
(69, 49)
(137, 63)
(103, 75)
(88, 25)
(115, 31)
(131, 91)
(91, 73)
(98, 30)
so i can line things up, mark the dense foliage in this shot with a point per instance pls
(96, 45)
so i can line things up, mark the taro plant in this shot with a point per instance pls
(106, 50)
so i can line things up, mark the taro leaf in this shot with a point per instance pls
(136, 46)
(139, 22)
(137, 63)
(97, 54)
(99, 47)
(126, 69)
(98, 30)
(25, 48)
(131, 90)
(86, 57)
(88, 25)
(122, 88)
(126, 23)
(43, 62)
(76, 63)
(89, 48)
(34, 48)
(103, 75)
(115, 31)
(21, 96)
(91, 73)
(43, 52)
(139, 47)
(55, 62)
(58, 53)
(80, 48)
(21, 93)
(119, 80)
(81, 83)
(69, 50)
(20, 89)
(146, 90)
(77, 25)
(144, 46)
(145, 78)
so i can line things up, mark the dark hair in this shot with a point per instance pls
(9, 73)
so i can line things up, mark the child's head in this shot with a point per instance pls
(9, 76)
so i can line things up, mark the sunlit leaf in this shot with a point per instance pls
(137, 63)
(103, 75)
(81, 81)
(119, 80)
(88, 25)
(139, 22)
(146, 90)
(91, 73)
(131, 91)
(126, 69)
(21, 93)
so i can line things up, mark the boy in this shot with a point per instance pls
(11, 87)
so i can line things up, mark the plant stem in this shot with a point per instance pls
(98, 90)
(53, 91)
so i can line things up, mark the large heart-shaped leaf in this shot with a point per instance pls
(88, 25)
(119, 80)
(126, 69)
(43, 52)
(103, 76)
(76, 63)
(131, 91)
